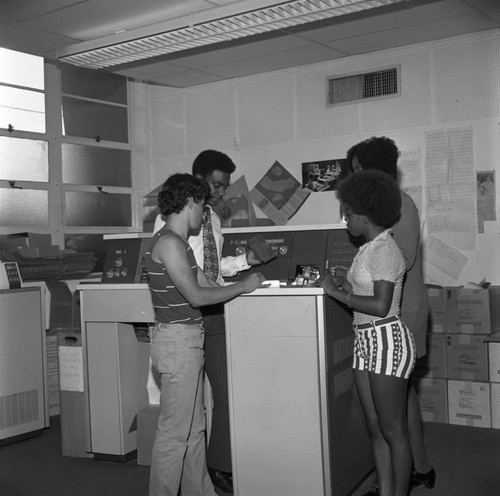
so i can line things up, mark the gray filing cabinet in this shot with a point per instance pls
(22, 364)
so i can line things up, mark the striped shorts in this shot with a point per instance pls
(384, 346)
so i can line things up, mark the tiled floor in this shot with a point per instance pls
(467, 461)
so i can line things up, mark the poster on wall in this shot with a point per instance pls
(236, 208)
(449, 188)
(322, 175)
(443, 265)
(486, 198)
(278, 194)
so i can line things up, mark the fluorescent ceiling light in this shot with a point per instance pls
(106, 53)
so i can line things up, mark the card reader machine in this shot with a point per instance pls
(268, 327)
(294, 246)
(124, 261)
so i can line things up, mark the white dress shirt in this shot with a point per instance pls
(228, 266)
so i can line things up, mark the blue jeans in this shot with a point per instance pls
(178, 458)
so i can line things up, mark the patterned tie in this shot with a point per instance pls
(210, 257)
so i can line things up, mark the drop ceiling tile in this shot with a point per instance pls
(151, 71)
(391, 38)
(97, 18)
(243, 50)
(188, 78)
(338, 29)
(275, 61)
(32, 41)
(22, 9)
(495, 13)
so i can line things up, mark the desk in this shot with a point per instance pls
(115, 365)
(296, 428)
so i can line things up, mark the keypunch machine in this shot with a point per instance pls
(290, 367)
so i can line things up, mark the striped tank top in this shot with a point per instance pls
(169, 304)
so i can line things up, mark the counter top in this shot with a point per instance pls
(274, 291)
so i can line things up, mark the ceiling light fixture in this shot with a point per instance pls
(104, 52)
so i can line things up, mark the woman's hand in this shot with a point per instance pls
(340, 292)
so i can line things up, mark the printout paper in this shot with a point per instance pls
(450, 187)
(442, 263)
(70, 368)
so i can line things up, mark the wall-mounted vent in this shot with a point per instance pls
(362, 86)
(18, 409)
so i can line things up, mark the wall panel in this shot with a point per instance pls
(468, 81)
(283, 115)
(315, 120)
(211, 119)
(167, 127)
(266, 112)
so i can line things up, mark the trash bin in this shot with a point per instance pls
(74, 417)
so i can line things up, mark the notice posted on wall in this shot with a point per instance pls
(278, 194)
(486, 198)
(449, 172)
(443, 264)
(236, 208)
(71, 368)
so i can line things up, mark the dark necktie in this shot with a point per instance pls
(210, 257)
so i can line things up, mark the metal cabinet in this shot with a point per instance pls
(296, 426)
(22, 364)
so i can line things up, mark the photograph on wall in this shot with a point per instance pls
(278, 194)
(322, 175)
(486, 198)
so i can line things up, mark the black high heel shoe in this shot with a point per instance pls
(428, 479)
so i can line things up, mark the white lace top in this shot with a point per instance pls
(378, 260)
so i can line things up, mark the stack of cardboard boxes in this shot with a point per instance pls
(459, 382)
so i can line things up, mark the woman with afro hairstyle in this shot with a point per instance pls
(382, 153)
(384, 349)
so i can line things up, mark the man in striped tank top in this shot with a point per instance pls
(215, 168)
(178, 289)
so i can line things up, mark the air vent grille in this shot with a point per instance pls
(357, 87)
(18, 409)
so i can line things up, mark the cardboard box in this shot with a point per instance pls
(494, 293)
(493, 343)
(33, 239)
(12, 244)
(438, 307)
(147, 421)
(466, 357)
(433, 398)
(469, 403)
(495, 405)
(474, 310)
(41, 251)
(433, 364)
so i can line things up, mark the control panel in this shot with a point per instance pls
(124, 261)
(295, 249)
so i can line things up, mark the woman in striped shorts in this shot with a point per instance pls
(384, 349)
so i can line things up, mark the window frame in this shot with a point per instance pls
(55, 187)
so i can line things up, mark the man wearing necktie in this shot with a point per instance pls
(216, 168)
